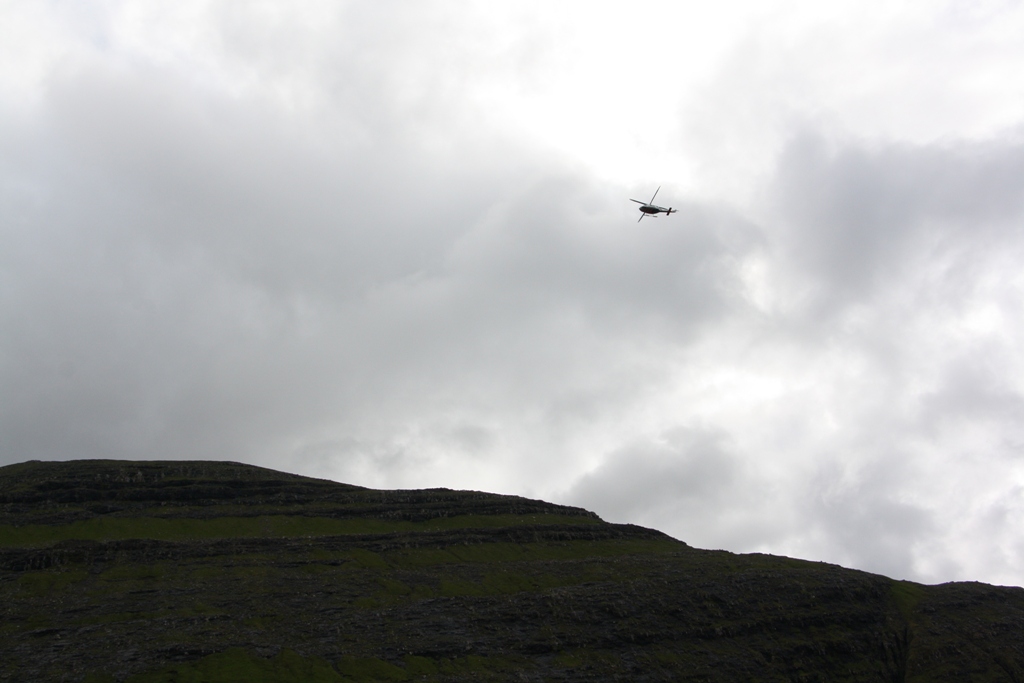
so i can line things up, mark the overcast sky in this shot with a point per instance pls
(391, 244)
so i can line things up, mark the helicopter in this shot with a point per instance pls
(649, 209)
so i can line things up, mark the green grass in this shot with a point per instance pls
(907, 595)
(370, 669)
(135, 572)
(528, 552)
(238, 666)
(267, 526)
(483, 667)
(420, 666)
(38, 584)
(508, 583)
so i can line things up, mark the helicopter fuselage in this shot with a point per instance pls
(652, 210)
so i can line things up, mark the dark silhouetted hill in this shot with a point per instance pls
(215, 571)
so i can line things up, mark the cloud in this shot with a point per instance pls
(895, 260)
(858, 510)
(857, 218)
(213, 276)
(342, 241)
(687, 479)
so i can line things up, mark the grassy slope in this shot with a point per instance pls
(263, 526)
(220, 572)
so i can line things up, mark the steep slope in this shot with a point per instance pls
(211, 571)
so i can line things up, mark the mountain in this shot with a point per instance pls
(182, 572)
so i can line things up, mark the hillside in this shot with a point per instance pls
(214, 571)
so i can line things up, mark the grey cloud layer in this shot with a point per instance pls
(859, 216)
(891, 320)
(200, 272)
(359, 278)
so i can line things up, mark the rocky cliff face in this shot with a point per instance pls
(207, 571)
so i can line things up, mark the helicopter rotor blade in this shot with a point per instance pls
(637, 201)
(655, 194)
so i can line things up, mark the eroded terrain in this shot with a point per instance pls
(197, 571)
